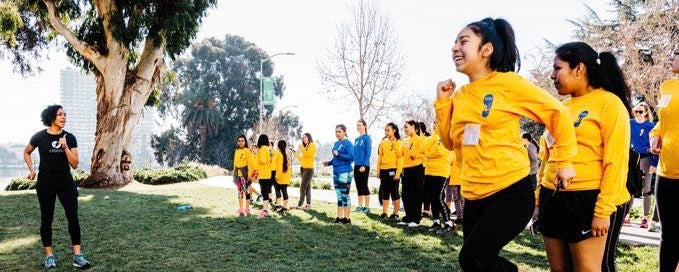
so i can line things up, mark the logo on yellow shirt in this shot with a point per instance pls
(581, 116)
(487, 103)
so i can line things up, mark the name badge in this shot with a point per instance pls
(392, 173)
(472, 133)
(664, 101)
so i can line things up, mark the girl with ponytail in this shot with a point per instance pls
(480, 123)
(581, 223)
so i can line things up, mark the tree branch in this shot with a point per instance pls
(86, 50)
(105, 8)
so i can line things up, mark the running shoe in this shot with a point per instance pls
(346, 221)
(337, 220)
(50, 262)
(435, 227)
(384, 215)
(393, 217)
(79, 261)
(402, 223)
(627, 222)
(263, 213)
(358, 209)
(654, 227)
(366, 210)
(644, 224)
(259, 198)
(413, 225)
(446, 229)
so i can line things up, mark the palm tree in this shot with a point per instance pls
(200, 115)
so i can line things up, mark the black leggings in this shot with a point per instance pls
(413, 185)
(436, 189)
(361, 179)
(281, 190)
(667, 197)
(617, 218)
(48, 191)
(491, 223)
(265, 188)
(388, 186)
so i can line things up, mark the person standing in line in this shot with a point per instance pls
(342, 158)
(426, 201)
(665, 143)
(576, 220)
(480, 123)
(263, 166)
(389, 167)
(413, 175)
(641, 125)
(306, 159)
(283, 177)
(241, 157)
(533, 150)
(58, 151)
(455, 189)
(362, 149)
(437, 171)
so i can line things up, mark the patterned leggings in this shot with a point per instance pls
(342, 182)
(458, 201)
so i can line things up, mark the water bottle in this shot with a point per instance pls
(184, 207)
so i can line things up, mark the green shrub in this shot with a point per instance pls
(79, 176)
(180, 173)
(22, 183)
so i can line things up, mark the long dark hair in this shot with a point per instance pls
(423, 129)
(416, 125)
(395, 128)
(244, 139)
(499, 33)
(263, 140)
(311, 140)
(602, 69)
(529, 137)
(281, 147)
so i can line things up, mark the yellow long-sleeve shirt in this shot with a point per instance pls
(438, 158)
(455, 170)
(390, 156)
(413, 151)
(240, 159)
(602, 131)
(263, 162)
(480, 122)
(667, 129)
(283, 178)
(307, 156)
(277, 160)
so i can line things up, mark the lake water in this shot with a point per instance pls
(8, 173)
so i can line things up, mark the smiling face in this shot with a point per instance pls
(360, 127)
(60, 120)
(410, 129)
(567, 80)
(389, 132)
(340, 134)
(674, 60)
(640, 112)
(241, 142)
(468, 53)
(305, 140)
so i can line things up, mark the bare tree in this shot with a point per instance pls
(364, 63)
(417, 107)
(642, 34)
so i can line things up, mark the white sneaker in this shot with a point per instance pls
(413, 225)
(402, 223)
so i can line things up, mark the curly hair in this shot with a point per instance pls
(49, 114)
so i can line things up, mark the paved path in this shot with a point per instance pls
(632, 234)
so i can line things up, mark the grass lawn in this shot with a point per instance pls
(138, 229)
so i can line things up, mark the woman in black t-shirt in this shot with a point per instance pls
(58, 154)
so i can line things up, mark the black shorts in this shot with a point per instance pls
(567, 215)
(361, 179)
(389, 186)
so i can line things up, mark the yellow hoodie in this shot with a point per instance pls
(263, 162)
(413, 151)
(390, 156)
(668, 129)
(283, 178)
(438, 158)
(306, 159)
(240, 159)
(484, 130)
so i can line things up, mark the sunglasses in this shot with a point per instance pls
(639, 111)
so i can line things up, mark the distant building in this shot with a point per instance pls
(79, 99)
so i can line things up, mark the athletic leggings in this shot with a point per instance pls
(458, 201)
(388, 186)
(617, 218)
(413, 185)
(342, 182)
(361, 179)
(265, 188)
(491, 223)
(305, 186)
(281, 190)
(667, 195)
(48, 191)
(436, 189)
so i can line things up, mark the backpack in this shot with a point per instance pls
(634, 175)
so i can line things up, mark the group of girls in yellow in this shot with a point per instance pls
(582, 191)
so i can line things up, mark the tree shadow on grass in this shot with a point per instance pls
(132, 231)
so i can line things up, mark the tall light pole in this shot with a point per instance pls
(261, 86)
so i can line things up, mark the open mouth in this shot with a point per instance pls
(458, 60)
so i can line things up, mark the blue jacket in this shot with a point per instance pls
(342, 162)
(640, 141)
(362, 147)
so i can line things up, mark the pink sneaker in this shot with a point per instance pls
(263, 213)
(644, 224)
(240, 212)
(627, 222)
(247, 212)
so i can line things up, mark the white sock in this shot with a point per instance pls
(436, 221)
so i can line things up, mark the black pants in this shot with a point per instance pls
(426, 199)
(48, 191)
(413, 184)
(388, 186)
(361, 179)
(436, 189)
(667, 197)
(617, 218)
(491, 223)
(281, 190)
(265, 188)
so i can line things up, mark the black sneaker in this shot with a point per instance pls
(259, 198)
(435, 227)
(394, 217)
(446, 229)
(337, 220)
(282, 209)
(384, 215)
(277, 208)
(346, 221)
(458, 221)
